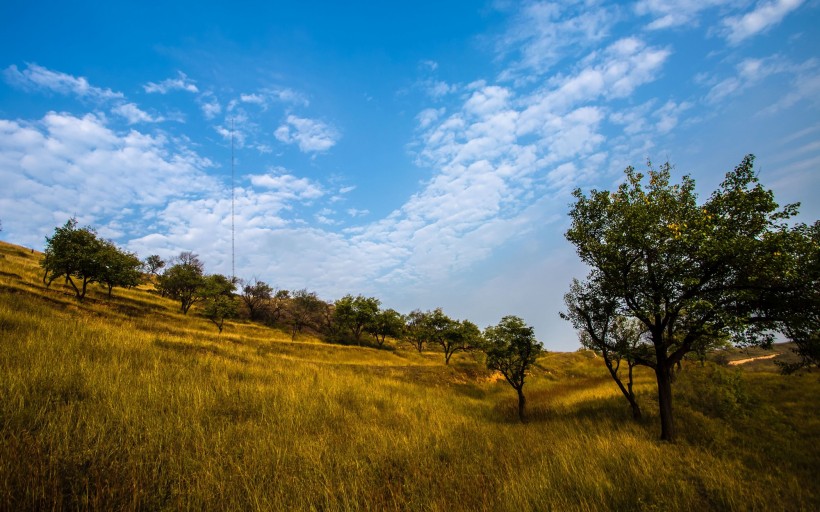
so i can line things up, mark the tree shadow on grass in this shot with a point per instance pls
(190, 349)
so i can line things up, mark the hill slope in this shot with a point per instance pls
(127, 404)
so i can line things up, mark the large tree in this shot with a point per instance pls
(512, 350)
(685, 270)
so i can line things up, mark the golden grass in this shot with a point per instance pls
(127, 404)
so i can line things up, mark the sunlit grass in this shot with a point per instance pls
(127, 404)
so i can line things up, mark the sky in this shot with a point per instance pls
(423, 153)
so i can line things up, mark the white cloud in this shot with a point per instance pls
(134, 115)
(36, 77)
(765, 15)
(210, 105)
(180, 83)
(252, 98)
(312, 136)
(544, 33)
(64, 165)
(674, 13)
(287, 186)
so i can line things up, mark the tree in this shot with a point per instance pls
(355, 313)
(153, 263)
(219, 303)
(256, 295)
(183, 281)
(304, 308)
(277, 306)
(797, 307)
(512, 350)
(615, 338)
(685, 271)
(73, 253)
(414, 329)
(386, 323)
(451, 335)
(119, 268)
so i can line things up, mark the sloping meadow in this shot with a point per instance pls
(126, 404)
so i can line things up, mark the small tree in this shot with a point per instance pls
(414, 329)
(451, 335)
(305, 307)
(219, 303)
(183, 281)
(73, 253)
(512, 350)
(615, 338)
(386, 323)
(256, 295)
(119, 268)
(153, 264)
(355, 313)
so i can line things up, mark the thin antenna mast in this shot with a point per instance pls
(233, 226)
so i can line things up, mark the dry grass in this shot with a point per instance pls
(126, 404)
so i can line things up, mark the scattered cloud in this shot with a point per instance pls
(287, 186)
(312, 136)
(64, 165)
(133, 115)
(35, 77)
(210, 105)
(543, 34)
(765, 15)
(180, 83)
(675, 13)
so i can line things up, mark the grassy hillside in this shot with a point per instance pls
(127, 404)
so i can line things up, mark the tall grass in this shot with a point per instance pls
(126, 404)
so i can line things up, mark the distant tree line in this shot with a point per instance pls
(81, 257)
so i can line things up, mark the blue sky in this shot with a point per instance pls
(422, 153)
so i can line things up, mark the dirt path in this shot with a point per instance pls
(749, 360)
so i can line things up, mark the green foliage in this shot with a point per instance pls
(797, 305)
(386, 323)
(183, 281)
(512, 349)
(78, 253)
(120, 268)
(414, 329)
(256, 295)
(153, 263)
(305, 310)
(451, 335)
(354, 314)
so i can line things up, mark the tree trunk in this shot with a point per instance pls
(521, 404)
(636, 409)
(662, 372)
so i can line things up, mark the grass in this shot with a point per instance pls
(128, 405)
